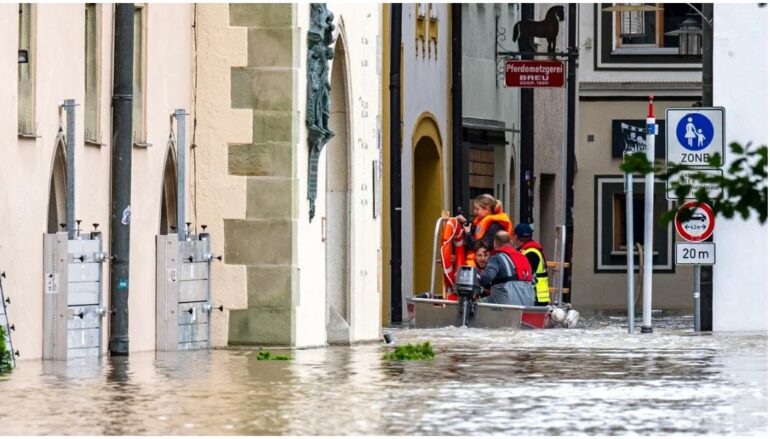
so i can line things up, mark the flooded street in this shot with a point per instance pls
(592, 380)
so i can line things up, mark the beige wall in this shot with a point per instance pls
(608, 290)
(355, 24)
(221, 195)
(25, 177)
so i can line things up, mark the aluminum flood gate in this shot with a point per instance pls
(73, 314)
(183, 301)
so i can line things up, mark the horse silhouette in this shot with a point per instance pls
(526, 30)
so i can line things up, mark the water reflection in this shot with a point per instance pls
(593, 380)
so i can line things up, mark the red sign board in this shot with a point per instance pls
(534, 73)
(700, 225)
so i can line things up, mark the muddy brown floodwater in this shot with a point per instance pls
(595, 379)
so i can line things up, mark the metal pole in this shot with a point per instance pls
(69, 106)
(179, 114)
(120, 220)
(527, 137)
(696, 297)
(395, 164)
(572, 115)
(630, 250)
(706, 272)
(649, 202)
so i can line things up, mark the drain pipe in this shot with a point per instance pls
(459, 166)
(396, 306)
(120, 220)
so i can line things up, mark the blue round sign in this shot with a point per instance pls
(695, 132)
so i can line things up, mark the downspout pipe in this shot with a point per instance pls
(120, 211)
(459, 164)
(395, 164)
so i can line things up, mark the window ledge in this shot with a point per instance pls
(143, 145)
(94, 143)
(29, 136)
(645, 51)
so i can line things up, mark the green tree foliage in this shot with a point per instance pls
(744, 183)
(6, 361)
(422, 351)
(267, 356)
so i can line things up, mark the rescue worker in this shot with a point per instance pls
(483, 253)
(522, 236)
(508, 274)
(489, 219)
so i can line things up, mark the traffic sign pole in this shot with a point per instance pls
(696, 229)
(630, 249)
(649, 201)
(696, 296)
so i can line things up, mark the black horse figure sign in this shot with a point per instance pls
(526, 30)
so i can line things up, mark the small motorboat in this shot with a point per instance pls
(467, 311)
(437, 312)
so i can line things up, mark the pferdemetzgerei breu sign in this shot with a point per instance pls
(694, 135)
(528, 73)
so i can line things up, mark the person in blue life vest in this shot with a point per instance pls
(522, 236)
(508, 275)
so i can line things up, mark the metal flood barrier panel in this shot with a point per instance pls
(73, 314)
(183, 301)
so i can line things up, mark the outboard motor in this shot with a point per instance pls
(571, 320)
(468, 290)
(564, 316)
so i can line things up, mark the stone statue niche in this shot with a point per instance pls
(319, 52)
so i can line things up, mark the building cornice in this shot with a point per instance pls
(641, 88)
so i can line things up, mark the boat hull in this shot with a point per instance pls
(436, 313)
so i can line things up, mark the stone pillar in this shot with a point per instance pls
(265, 239)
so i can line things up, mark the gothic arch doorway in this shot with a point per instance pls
(168, 195)
(428, 194)
(57, 192)
(338, 207)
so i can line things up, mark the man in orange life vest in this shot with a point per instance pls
(522, 236)
(508, 274)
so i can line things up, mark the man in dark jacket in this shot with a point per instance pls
(508, 274)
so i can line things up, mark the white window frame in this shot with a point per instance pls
(28, 128)
(140, 136)
(95, 137)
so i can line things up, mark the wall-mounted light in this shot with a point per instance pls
(23, 56)
(689, 34)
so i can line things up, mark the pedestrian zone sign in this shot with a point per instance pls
(694, 135)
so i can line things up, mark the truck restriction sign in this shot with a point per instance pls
(695, 253)
(700, 226)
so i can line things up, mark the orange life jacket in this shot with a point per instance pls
(482, 225)
(452, 244)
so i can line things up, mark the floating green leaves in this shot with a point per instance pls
(6, 361)
(423, 351)
(744, 183)
(267, 356)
